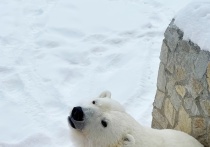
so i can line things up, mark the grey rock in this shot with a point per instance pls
(160, 118)
(205, 105)
(161, 82)
(164, 53)
(170, 63)
(169, 112)
(175, 100)
(188, 102)
(159, 99)
(185, 57)
(172, 35)
(190, 105)
(194, 87)
(201, 64)
(156, 125)
(199, 126)
(194, 110)
(174, 97)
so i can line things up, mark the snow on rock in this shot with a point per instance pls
(194, 21)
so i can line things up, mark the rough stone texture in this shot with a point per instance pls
(170, 112)
(201, 64)
(200, 129)
(208, 131)
(161, 120)
(182, 99)
(199, 126)
(162, 80)
(170, 64)
(195, 87)
(205, 104)
(180, 74)
(180, 90)
(184, 121)
(208, 76)
(159, 99)
(188, 102)
(164, 53)
(156, 124)
(175, 100)
(194, 110)
(172, 36)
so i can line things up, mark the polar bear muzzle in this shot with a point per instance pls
(76, 120)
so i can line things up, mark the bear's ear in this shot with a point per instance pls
(105, 94)
(128, 140)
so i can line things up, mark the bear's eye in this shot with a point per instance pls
(93, 102)
(104, 123)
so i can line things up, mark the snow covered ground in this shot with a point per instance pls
(55, 54)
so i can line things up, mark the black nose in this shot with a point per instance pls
(77, 114)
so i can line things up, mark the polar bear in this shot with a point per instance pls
(104, 123)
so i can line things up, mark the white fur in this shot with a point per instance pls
(122, 130)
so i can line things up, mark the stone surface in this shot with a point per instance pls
(208, 80)
(174, 97)
(194, 110)
(199, 127)
(161, 84)
(184, 121)
(184, 46)
(188, 102)
(208, 131)
(180, 54)
(180, 73)
(205, 105)
(170, 112)
(164, 53)
(159, 99)
(180, 90)
(170, 64)
(208, 75)
(201, 64)
(160, 118)
(195, 87)
(170, 85)
(172, 36)
(156, 125)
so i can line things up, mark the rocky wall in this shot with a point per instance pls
(182, 100)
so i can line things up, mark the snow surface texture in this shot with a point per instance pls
(194, 20)
(55, 54)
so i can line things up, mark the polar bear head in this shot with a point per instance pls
(103, 123)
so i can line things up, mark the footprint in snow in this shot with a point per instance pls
(98, 51)
(48, 44)
(110, 62)
(33, 11)
(68, 32)
(75, 59)
(40, 140)
(12, 84)
(95, 38)
(116, 41)
(128, 34)
(6, 71)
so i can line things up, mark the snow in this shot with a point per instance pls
(56, 54)
(194, 20)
